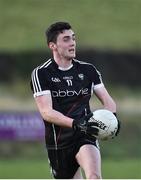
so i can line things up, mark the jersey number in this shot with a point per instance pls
(69, 82)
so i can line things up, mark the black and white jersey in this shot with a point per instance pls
(71, 90)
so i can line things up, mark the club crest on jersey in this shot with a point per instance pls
(55, 79)
(81, 76)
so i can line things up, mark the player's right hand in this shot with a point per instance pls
(83, 125)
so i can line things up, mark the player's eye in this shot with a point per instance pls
(66, 39)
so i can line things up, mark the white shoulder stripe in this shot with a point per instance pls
(81, 62)
(35, 78)
(35, 87)
(43, 65)
(32, 79)
(48, 64)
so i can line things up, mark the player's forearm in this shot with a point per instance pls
(109, 104)
(57, 118)
(44, 104)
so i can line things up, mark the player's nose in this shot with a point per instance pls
(72, 43)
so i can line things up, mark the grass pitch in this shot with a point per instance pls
(39, 169)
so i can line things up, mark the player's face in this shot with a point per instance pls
(65, 44)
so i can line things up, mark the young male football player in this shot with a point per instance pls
(62, 88)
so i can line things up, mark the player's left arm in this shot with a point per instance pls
(108, 103)
(105, 99)
(100, 90)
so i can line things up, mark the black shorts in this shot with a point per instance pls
(63, 162)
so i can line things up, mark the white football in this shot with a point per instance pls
(107, 123)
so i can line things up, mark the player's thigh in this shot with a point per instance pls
(89, 159)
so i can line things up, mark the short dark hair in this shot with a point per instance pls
(55, 29)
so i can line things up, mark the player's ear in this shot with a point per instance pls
(52, 45)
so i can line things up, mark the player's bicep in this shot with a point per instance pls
(50, 115)
(105, 98)
(101, 93)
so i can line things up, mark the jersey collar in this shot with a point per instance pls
(60, 68)
(65, 69)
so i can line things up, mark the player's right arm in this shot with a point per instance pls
(44, 104)
(41, 91)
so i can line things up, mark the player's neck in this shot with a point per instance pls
(62, 62)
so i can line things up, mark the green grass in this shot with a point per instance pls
(121, 169)
(24, 169)
(20, 168)
(111, 24)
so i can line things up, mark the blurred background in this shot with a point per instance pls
(108, 35)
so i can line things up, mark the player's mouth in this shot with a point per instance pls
(72, 50)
